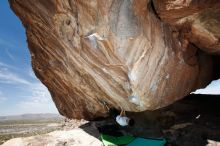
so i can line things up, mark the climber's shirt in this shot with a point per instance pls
(122, 120)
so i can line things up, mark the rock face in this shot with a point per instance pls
(135, 54)
(197, 20)
(58, 138)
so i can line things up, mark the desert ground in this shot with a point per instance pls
(28, 125)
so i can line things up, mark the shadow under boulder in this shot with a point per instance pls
(193, 121)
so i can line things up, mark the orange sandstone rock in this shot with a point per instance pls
(88, 52)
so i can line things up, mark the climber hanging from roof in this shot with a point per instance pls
(121, 119)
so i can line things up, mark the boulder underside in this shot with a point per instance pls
(135, 54)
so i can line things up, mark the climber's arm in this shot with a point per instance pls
(122, 113)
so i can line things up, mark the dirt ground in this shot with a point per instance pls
(23, 128)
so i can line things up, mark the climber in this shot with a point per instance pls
(123, 120)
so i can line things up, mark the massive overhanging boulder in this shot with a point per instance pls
(120, 52)
(196, 20)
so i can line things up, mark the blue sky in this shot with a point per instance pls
(20, 91)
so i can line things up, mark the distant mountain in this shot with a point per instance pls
(31, 117)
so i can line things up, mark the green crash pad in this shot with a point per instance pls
(131, 141)
(116, 141)
(147, 142)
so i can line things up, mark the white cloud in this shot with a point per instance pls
(2, 97)
(212, 88)
(9, 54)
(37, 98)
(39, 101)
(31, 73)
(8, 77)
(5, 65)
(6, 43)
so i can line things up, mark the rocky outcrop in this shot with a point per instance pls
(197, 20)
(58, 138)
(126, 53)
